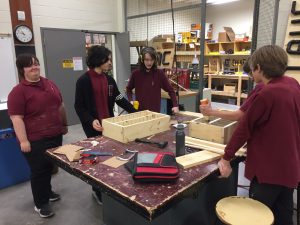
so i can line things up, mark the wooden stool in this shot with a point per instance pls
(236, 210)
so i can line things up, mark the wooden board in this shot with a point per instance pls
(196, 158)
(218, 130)
(293, 59)
(243, 211)
(210, 146)
(141, 124)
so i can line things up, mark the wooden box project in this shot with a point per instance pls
(128, 127)
(216, 129)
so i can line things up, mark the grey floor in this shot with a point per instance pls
(76, 207)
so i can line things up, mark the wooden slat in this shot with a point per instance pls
(211, 146)
(196, 158)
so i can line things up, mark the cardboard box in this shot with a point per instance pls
(227, 36)
(141, 124)
(230, 88)
(217, 130)
(223, 37)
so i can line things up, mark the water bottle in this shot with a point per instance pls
(180, 140)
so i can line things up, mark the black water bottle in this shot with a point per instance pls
(180, 140)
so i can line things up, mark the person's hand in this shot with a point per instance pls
(25, 146)
(64, 130)
(224, 167)
(97, 126)
(206, 110)
(175, 110)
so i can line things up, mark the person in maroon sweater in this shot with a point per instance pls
(38, 115)
(207, 110)
(148, 82)
(96, 94)
(271, 128)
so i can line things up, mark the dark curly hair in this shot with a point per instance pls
(97, 56)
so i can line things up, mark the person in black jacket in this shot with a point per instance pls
(96, 93)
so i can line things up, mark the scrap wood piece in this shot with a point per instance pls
(211, 146)
(196, 158)
(70, 151)
(114, 162)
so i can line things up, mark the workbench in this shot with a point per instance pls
(189, 200)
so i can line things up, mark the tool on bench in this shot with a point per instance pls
(90, 157)
(127, 155)
(161, 144)
(94, 153)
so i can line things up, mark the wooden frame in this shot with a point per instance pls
(128, 127)
(217, 130)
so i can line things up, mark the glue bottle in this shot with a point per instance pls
(180, 140)
(203, 102)
(136, 105)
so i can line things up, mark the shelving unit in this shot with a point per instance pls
(225, 61)
(236, 94)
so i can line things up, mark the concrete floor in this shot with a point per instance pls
(76, 207)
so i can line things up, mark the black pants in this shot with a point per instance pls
(278, 198)
(41, 168)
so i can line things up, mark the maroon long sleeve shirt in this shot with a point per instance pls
(148, 87)
(271, 127)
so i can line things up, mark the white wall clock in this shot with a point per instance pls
(23, 33)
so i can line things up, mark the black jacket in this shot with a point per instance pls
(85, 105)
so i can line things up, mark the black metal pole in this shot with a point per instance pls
(201, 61)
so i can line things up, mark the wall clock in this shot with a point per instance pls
(23, 33)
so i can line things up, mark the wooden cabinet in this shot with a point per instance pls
(225, 63)
(236, 79)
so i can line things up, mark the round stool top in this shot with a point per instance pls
(243, 211)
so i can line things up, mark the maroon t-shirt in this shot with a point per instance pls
(271, 127)
(39, 104)
(148, 87)
(249, 101)
(100, 90)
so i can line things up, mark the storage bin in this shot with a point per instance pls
(13, 165)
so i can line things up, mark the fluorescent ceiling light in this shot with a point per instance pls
(218, 2)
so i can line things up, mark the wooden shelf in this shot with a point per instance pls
(223, 93)
(234, 77)
(190, 53)
(238, 94)
(228, 55)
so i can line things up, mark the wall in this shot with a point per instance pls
(96, 15)
(5, 20)
(283, 14)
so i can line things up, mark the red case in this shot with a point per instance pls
(154, 166)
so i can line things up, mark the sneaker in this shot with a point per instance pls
(97, 197)
(54, 197)
(45, 211)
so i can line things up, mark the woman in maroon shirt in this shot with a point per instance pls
(148, 82)
(271, 128)
(36, 109)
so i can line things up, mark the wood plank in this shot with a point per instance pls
(211, 146)
(196, 158)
